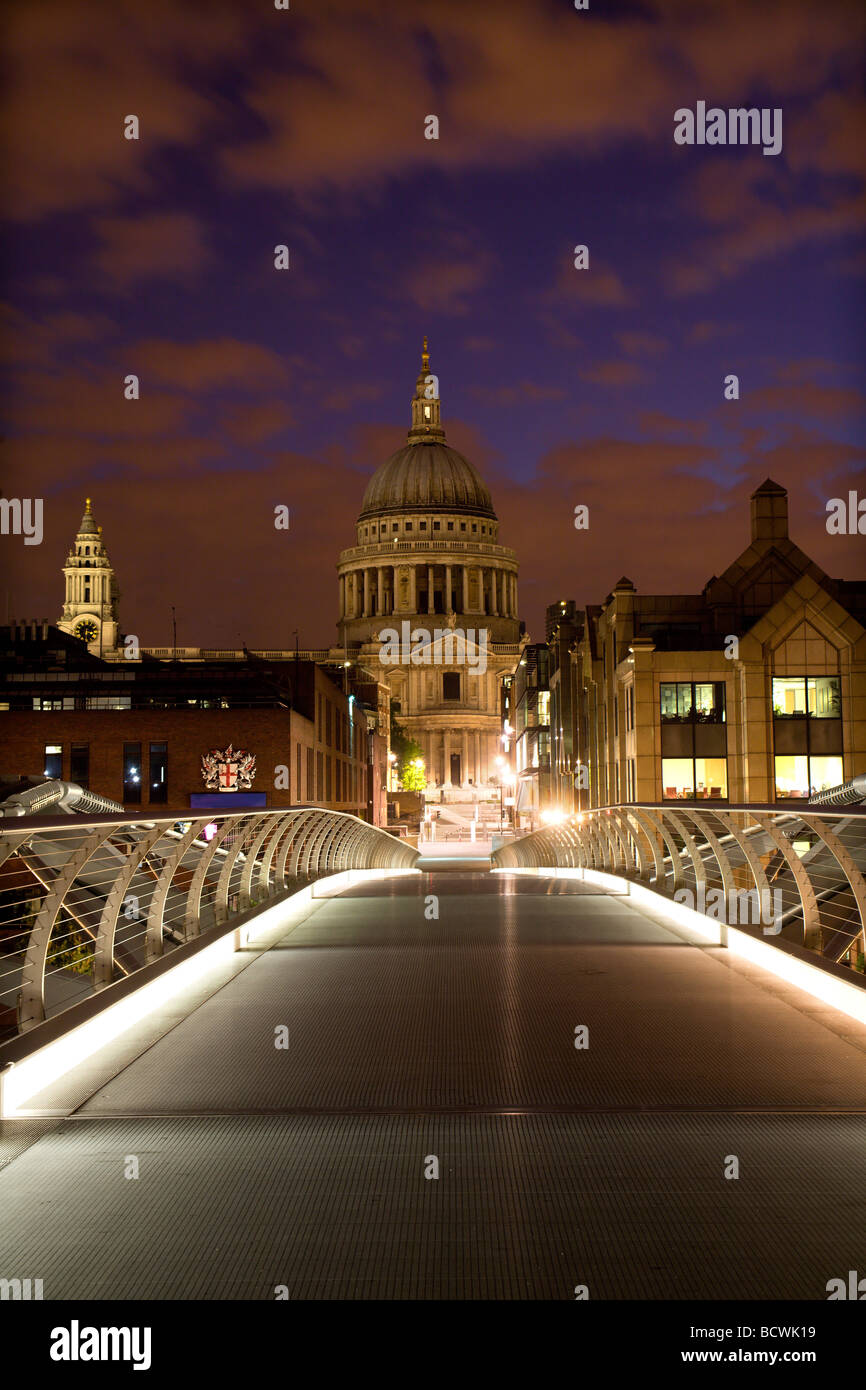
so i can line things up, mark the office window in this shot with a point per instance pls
(320, 777)
(807, 734)
(79, 764)
(311, 775)
(298, 774)
(688, 779)
(799, 775)
(819, 697)
(686, 703)
(451, 685)
(53, 760)
(132, 773)
(158, 773)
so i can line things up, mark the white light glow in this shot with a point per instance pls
(849, 999)
(32, 1074)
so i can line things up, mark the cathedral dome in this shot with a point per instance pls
(426, 474)
(426, 477)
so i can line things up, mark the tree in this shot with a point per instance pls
(413, 773)
(408, 754)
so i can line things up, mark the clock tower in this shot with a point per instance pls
(90, 608)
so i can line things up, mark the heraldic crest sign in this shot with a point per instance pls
(228, 769)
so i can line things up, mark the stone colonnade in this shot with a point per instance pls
(369, 591)
(476, 748)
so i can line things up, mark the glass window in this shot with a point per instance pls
(711, 778)
(789, 696)
(159, 772)
(685, 779)
(792, 775)
(824, 772)
(53, 760)
(79, 764)
(132, 773)
(824, 697)
(676, 701)
(677, 778)
(710, 702)
(451, 685)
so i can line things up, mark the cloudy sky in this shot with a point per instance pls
(260, 127)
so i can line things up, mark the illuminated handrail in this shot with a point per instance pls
(87, 900)
(795, 875)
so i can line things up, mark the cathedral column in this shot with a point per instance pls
(359, 596)
(477, 741)
(430, 603)
(465, 589)
(413, 589)
(480, 589)
(464, 757)
(494, 584)
(380, 592)
(446, 768)
(366, 593)
(448, 596)
(342, 596)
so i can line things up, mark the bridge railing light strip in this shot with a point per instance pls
(781, 885)
(89, 904)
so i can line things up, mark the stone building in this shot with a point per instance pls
(429, 595)
(753, 690)
(90, 602)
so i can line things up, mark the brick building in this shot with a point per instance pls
(138, 731)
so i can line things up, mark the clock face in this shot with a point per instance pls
(87, 630)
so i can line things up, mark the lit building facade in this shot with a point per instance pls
(753, 690)
(427, 561)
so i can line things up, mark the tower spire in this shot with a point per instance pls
(426, 413)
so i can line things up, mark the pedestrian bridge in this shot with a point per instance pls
(243, 1058)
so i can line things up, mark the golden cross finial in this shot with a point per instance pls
(425, 356)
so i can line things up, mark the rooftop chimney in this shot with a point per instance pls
(769, 512)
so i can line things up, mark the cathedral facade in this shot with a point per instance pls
(429, 595)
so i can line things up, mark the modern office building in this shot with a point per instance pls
(753, 690)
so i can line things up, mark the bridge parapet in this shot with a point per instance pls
(790, 875)
(88, 900)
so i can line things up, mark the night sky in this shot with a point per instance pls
(260, 387)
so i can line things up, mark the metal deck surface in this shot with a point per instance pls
(454, 1038)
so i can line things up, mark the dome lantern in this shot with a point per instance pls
(426, 408)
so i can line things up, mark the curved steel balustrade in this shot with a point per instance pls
(733, 863)
(87, 900)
